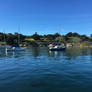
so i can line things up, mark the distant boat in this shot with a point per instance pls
(16, 47)
(57, 48)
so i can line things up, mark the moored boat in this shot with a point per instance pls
(57, 48)
(15, 48)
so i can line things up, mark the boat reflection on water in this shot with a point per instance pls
(15, 54)
(56, 53)
(71, 53)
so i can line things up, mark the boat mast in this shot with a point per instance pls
(59, 28)
(19, 35)
(59, 32)
(4, 35)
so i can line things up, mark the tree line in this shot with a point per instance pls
(15, 38)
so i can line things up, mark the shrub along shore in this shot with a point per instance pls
(69, 40)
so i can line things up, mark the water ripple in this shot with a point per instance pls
(38, 70)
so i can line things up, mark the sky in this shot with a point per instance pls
(46, 16)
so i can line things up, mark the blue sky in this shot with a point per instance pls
(46, 16)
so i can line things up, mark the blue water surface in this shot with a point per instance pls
(40, 70)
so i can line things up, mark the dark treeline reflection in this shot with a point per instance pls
(74, 52)
(39, 51)
(35, 51)
(43, 51)
(69, 52)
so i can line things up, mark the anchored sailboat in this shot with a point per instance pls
(16, 47)
(57, 47)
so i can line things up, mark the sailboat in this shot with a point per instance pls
(16, 47)
(56, 47)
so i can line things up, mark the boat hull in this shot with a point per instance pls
(17, 49)
(58, 49)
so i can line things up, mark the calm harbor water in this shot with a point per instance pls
(38, 70)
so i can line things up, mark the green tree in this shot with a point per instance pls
(70, 34)
(84, 38)
(36, 36)
(57, 35)
(75, 35)
(10, 39)
(50, 37)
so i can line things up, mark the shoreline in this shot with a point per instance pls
(45, 44)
